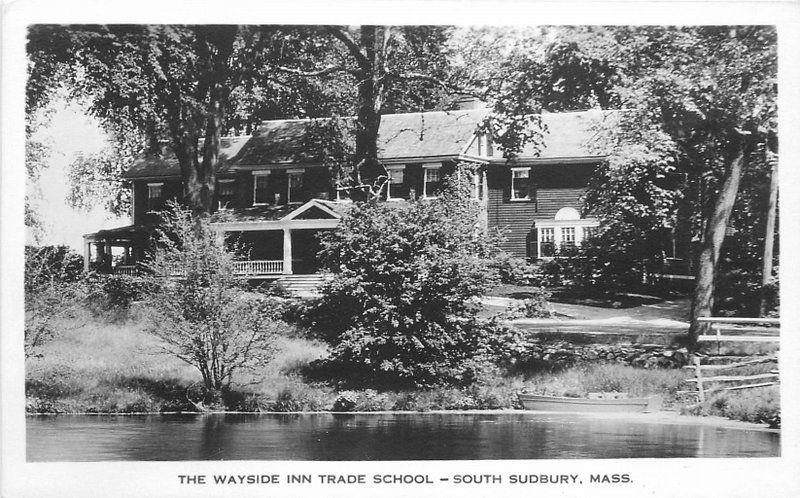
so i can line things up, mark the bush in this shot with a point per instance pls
(400, 310)
(203, 315)
(116, 293)
(53, 290)
(536, 306)
(512, 270)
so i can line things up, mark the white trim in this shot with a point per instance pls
(389, 169)
(430, 167)
(226, 180)
(557, 226)
(308, 205)
(256, 226)
(520, 169)
(155, 184)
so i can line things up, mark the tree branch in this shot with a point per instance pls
(311, 74)
(351, 45)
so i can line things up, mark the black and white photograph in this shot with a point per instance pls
(545, 244)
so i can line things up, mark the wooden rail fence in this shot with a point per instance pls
(735, 326)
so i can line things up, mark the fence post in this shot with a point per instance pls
(698, 374)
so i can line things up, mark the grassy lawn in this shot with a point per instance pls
(95, 365)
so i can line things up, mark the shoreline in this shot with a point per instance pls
(663, 417)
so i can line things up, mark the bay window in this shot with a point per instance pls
(567, 237)
(547, 242)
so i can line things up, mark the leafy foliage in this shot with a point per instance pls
(53, 291)
(401, 307)
(202, 315)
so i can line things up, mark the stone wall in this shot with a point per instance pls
(549, 354)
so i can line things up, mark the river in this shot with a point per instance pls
(392, 436)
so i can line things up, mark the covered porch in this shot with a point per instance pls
(117, 250)
(285, 246)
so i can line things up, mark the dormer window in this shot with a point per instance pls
(261, 187)
(155, 196)
(484, 144)
(520, 184)
(395, 182)
(430, 187)
(225, 192)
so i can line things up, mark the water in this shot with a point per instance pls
(382, 437)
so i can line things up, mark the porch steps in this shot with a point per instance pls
(303, 285)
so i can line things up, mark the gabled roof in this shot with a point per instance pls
(166, 164)
(434, 135)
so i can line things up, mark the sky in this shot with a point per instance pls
(69, 131)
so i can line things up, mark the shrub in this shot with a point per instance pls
(536, 306)
(116, 293)
(400, 309)
(53, 290)
(345, 402)
(203, 315)
(510, 269)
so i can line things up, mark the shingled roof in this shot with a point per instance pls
(436, 134)
(166, 164)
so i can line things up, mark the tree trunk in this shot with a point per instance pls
(708, 261)
(368, 113)
(769, 238)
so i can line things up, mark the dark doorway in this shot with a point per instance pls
(305, 247)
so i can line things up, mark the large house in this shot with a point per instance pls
(278, 195)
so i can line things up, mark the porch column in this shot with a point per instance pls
(287, 251)
(86, 254)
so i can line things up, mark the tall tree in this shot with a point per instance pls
(702, 101)
(185, 85)
(393, 69)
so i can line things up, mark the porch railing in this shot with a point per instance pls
(258, 267)
(125, 270)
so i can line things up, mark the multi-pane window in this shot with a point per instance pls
(225, 192)
(520, 183)
(567, 237)
(261, 188)
(155, 196)
(430, 187)
(589, 232)
(295, 186)
(547, 242)
(396, 178)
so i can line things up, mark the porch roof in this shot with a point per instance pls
(128, 232)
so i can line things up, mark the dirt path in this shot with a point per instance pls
(676, 310)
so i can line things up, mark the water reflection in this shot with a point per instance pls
(381, 437)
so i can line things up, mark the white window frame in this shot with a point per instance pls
(390, 169)
(256, 174)
(425, 168)
(150, 186)
(579, 227)
(514, 176)
(297, 173)
(564, 232)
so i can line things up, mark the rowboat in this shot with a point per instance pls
(596, 402)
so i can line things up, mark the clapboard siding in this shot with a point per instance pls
(515, 219)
